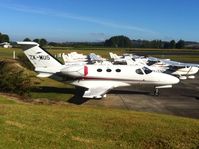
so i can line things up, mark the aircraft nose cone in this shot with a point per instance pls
(196, 69)
(174, 80)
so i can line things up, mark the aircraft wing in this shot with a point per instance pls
(97, 92)
(98, 88)
(153, 59)
(179, 64)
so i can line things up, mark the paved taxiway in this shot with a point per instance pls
(181, 100)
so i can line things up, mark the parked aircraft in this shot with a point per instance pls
(75, 58)
(97, 80)
(6, 45)
(181, 70)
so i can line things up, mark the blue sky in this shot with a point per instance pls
(97, 20)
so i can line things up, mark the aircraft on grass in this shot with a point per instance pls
(96, 80)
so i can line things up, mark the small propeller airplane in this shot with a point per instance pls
(6, 45)
(96, 80)
(76, 58)
(178, 69)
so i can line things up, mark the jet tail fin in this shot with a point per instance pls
(42, 60)
(113, 56)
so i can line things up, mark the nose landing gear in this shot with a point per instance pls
(156, 92)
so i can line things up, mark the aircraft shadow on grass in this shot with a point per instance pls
(78, 93)
(48, 89)
(76, 99)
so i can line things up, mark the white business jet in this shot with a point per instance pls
(97, 80)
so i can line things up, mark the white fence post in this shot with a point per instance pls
(14, 55)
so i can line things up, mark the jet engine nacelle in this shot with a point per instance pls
(75, 71)
(183, 77)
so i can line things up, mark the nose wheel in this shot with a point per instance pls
(156, 92)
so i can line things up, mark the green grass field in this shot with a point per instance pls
(52, 90)
(26, 125)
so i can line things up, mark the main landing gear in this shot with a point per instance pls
(156, 92)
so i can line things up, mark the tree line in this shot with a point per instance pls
(125, 42)
(4, 38)
(159, 44)
(118, 41)
(115, 41)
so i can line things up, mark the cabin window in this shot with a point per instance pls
(118, 70)
(146, 70)
(108, 70)
(99, 70)
(139, 71)
(150, 62)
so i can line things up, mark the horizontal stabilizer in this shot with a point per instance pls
(44, 75)
(27, 43)
(164, 86)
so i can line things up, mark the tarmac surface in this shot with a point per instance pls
(181, 100)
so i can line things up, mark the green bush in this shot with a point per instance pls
(13, 79)
(24, 61)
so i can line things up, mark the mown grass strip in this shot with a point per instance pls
(69, 126)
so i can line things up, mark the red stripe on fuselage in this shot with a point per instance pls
(85, 70)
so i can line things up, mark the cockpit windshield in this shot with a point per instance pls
(146, 70)
(150, 62)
